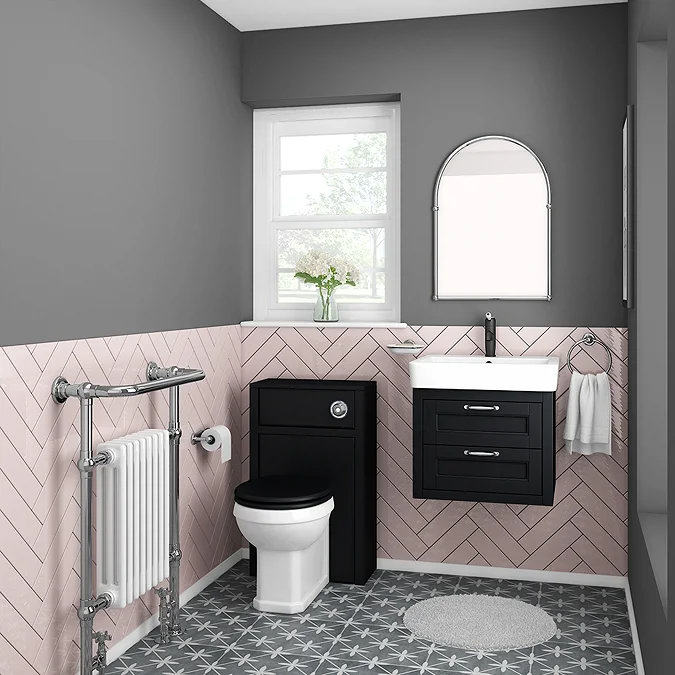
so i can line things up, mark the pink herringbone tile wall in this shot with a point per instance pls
(39, 481)
(585, 530)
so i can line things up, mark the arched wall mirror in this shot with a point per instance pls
(492, 223)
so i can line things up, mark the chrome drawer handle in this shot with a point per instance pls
(491, 408)
(338, 409)
(481, 453)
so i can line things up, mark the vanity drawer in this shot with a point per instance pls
(482, 423)
(483, 471)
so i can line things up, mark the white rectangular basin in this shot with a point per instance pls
(495, 373)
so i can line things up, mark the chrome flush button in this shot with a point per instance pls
(338, 409)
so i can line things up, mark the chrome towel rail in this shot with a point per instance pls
(158, 378)
(588, 339)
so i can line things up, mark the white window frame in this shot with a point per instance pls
(268, 126)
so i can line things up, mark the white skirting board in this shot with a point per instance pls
(546, 576)
(516, 574)
(149, 624)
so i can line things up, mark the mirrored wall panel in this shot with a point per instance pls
(492, 224)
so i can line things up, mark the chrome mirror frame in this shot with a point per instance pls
(435, 209)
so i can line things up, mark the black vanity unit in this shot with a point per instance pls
(324, 428)
(486, 446)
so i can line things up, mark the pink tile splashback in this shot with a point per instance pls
(39, 482)
(585, 530)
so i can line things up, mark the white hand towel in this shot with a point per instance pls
(588, 428)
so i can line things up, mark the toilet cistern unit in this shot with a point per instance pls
(313, 448)
(286, 518)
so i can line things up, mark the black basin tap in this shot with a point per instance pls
(490, 334)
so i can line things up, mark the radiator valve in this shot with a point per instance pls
(101, 658)
(165, 604)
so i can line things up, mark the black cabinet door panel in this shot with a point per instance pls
(483, 470)
(329, 456)
(482, 423)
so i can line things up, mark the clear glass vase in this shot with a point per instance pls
(325, 309)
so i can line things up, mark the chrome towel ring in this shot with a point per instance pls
(588, 339)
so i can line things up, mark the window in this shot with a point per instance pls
(326, 178)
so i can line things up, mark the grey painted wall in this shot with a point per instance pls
(124, 169)
(671, 317)
(651, 263)
(648, 21)
(555, 79)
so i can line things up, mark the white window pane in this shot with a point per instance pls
(333, 151)
(334, 194)
(363, 247)
(316, 169)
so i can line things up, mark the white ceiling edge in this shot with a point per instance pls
(248, 15)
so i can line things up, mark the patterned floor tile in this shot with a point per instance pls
(337, 666)
(199, 659)
(213, 626)
(334, 587)
(332, 607)
(514, 662)
(262, 663)
(436, 660)
(353, 630)
(349, 598)
(235, 596)
(594, 630)
(238, 573)
(527, 591)
(583, 599)
(572, 659)
(384, 609)
(147, 658)
(352, 591)
(290, 635)
(419, 585)
(359, 641)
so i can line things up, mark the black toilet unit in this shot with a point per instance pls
(322, 429)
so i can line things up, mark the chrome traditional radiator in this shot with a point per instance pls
(90, 604)
(132, 516)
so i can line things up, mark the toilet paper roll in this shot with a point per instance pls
(222, 438)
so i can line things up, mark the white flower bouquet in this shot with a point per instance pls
(326, 273)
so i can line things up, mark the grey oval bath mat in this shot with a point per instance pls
(481, 622)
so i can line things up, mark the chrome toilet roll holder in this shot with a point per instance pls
(198, 438)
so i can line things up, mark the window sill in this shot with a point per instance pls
(321, 324)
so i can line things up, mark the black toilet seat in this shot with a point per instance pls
(283, 492)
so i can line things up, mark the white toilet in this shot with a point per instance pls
(286, 519)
